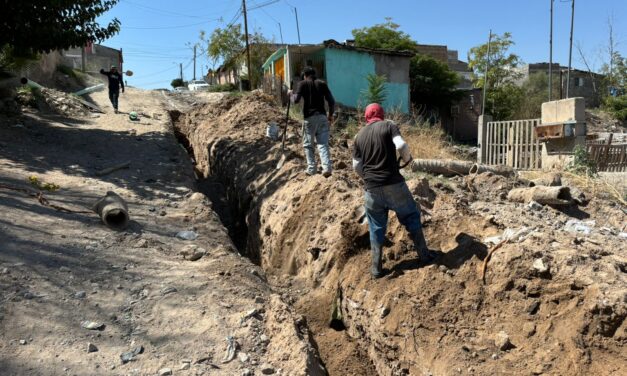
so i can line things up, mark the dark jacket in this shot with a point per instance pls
(116, 80)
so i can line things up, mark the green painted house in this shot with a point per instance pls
(345, 67)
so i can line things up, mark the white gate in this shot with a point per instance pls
(512, 143)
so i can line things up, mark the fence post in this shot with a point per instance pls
(603, 165)
(482, 133)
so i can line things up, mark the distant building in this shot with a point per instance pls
(345, 67)
(582, 83)
(442, 54)
(97, 57)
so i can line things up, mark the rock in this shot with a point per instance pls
(540, 266)
(141, 243)
(197, 254)
(23, 342)
(264, 338)
(532, 308)
(187, 235)
(130, 355)
(91, 348)
(502, 341)
(243, 357)
(80, 295)
(247, 372)
(92, 325)
(5, 271)
(529, 329)
(266, 369)
(185, 365)
(165, 372)
(385, 311)
(168, 290)
(533, 205)
(65, 269)
(259, 299)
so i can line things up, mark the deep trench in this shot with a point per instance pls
(232, 211)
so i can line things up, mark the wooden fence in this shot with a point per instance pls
(608, 157)
(273, 86)
(513, 143)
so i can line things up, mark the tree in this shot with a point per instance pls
(227, 45)
(502, 95)
(532, 94)
(36, 26)
(502, 63)
(383, 36)
(177, 82)
(432, 83)
(376, 92)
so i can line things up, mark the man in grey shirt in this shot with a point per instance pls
(374, 159)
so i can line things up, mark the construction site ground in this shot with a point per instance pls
(281, 255)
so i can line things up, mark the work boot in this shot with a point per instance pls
(377, 261)
(326, 173)
(425, 255)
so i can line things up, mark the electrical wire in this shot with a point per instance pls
(168, 12)
(169, 27)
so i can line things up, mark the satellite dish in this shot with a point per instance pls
(128, 73)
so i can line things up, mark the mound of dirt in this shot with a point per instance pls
(554, 300)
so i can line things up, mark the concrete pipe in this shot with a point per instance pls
(449, 167)
(113, 211)
(542, 195)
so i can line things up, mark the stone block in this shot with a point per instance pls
(564, 110)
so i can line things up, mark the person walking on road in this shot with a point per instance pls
(115, 82)
(374, 159)
(316, 125)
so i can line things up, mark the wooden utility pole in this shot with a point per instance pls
(181, 69)
(194, 62)
(297, 27)
(248, 66)
(485, 78)
(551, 55)
(570, 50)
(83, 59)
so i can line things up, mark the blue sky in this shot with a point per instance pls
(156, 34)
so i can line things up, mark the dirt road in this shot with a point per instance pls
(151, 309)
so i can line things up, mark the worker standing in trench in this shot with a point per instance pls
(115, 82)
(374, 159)
(317, 123)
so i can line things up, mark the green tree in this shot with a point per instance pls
(376, 92)
(432, 83)
(503, 96)
(35, 26)
(617, 78)
(383, 36)
(533, 92)
(227, 45)
(503, 64)
(177, 82)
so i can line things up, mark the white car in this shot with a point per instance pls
(180, 89)
(198, 85)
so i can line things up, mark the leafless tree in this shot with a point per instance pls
(585, 62)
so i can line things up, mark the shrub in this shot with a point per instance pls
(376, 92)
(223, 87)
(581, 163)
(617, 106)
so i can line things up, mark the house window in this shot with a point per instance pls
(579, 81)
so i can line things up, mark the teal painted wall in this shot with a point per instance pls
(346, 73)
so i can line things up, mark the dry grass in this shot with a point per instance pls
(597, 187)
(428, 142)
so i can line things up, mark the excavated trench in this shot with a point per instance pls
(307, 234)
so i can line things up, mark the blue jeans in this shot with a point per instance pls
(113, 97)
(316, 131)
(395, 197)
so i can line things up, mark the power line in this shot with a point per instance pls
(169, 27)
(168, 12)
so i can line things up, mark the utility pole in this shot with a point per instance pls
(485, 78)
(83, 59)
(551, 55)
(181, 69)
(297, 27)
(249, 68)
(280, 32)
(570, 50)
(194, 62)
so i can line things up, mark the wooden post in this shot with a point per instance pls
(606, 153)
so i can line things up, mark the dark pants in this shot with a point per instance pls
(113, 97)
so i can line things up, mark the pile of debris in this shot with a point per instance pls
(63, 103)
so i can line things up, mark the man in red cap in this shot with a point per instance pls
(374, 159)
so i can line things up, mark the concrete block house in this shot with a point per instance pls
(345, 68)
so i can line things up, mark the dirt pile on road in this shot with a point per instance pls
(554, 300)
(53, 101)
